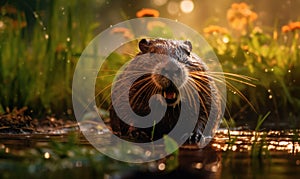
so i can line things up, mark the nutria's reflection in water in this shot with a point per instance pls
(279, 158)
(206, 162)
(193, 163)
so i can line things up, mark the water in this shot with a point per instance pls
(246, 154)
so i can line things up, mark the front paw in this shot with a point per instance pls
(195, 137)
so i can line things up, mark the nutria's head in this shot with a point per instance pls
(172, 74)
(172, 71)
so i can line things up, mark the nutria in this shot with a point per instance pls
(188, 68)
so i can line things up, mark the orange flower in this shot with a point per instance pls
(212, 29)
(294, 25)
(8, 9)
(126, 32)
(240, 15)
(60, 48)
(145, 12)
(154, 24)
(285, 28)
(290, 27)
(11, 16)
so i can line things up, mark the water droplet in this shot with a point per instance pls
(234, 147)
(266, 70)
(2, 25)
(187, 6)
(234, 92)
(84, 78)
(2, 146)
(159, 2)
(46, 155)
(63, 10)
(270, 96)
(68, 61)
(269, 90)
(289, 71)
(46, 36)
(41, 23)
(78, 164)
(226, 40)
(272, 69)
(35, 14)
(198, 165)
(173, 8)
(161, 166)
(68, 39)
(44, 28)
(148, 153)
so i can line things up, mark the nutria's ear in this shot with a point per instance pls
(189, 45)
(144, 45)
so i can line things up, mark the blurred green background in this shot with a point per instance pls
(41, 42)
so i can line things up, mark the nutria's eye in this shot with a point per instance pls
(144, 45)
(187, 47)
(188, 52)
(189, 44)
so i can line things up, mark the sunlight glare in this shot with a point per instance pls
(187, 6)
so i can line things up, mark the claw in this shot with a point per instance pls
(195, 137)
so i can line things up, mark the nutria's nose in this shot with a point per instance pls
(171, 74)
(171, 69)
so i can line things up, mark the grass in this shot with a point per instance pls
(272, 57)
(260, 148)
(36, 65)
(59, 159)
(37, 62)
(36, 70)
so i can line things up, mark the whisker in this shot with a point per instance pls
(200, 87)
(232, 87)
(232, 74)
(140, 83)
(229, 76)
(234, 79)
(241, 95)
(219, 78)
(109, 86)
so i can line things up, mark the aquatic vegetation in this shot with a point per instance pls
(271, 57)
(58, 159)
(260, 148)
(37, 62)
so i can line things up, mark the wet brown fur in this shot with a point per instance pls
(143, 88)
